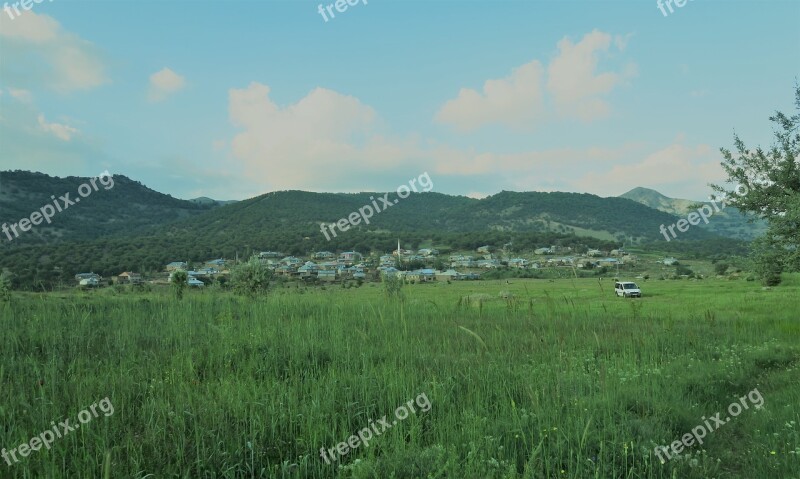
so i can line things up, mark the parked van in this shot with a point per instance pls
(627, 290)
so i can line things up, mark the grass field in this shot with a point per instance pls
(559, 380)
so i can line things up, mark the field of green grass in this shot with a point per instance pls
(559, 379)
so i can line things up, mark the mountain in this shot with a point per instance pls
(728, 222)
(120, 206)
(130, 227)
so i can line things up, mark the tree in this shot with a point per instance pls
(721, 268)
(179, 280)
(767, 261)
(768, 185)
(251, 278)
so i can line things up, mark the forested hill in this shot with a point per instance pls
(128, 207)
(298, 214)
(130, 227)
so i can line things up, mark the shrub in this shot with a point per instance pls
(393, 286)
(251, 278)
(179, 281)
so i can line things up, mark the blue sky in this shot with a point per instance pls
(234, 99)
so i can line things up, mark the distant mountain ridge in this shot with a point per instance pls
(132, 227)
(729, 222)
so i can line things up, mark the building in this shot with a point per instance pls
(129, 278)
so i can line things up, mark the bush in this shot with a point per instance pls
(721, 268)
(251, 278)
(179, 281)
(393, 286)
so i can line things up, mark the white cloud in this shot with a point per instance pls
(43, 54)
(519, 100)
(515, 101)
(325, 138)
(576, 87)
(61, 131)
(164, 83)
(21, 95)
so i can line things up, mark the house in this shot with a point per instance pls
(594, 253)
(521, 263)
(291, 261)
(326, 275)
(308, 269)
(324, 255)
(194, 282)
(90, 282)
(449, 275)
(286, 270)
(421, 275)
(609, 262)
(269, 254)
(390, 271)
(488, 263)
(350, 257)
(82, 276)
(129, 278)
(428, 252)
(177, 265)
(543, 251)
(218, 264)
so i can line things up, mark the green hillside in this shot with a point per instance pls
(130, 227)
(127, 207)
(728, 222)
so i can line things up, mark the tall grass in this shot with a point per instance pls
(552, 380)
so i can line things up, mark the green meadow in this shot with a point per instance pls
(525, 378)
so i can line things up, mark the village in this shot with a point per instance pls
(420, 266)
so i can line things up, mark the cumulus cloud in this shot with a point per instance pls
(325, 138)
(61, 131)
(43, 54)
(577, 88)
(164, 83)
(515, 101)
(519, 101)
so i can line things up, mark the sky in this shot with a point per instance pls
(238, 98)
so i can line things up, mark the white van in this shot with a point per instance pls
(627, 290)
